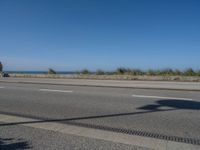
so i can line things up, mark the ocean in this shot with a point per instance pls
(40, 72)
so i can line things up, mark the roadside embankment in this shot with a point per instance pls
(111, 77)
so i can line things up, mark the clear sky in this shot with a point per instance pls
(99, 34)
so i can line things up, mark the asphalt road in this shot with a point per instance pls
(173, 85)
(20, 137)
(168, 115)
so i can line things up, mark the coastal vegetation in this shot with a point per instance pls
(85, 71)
(139, 72)
(1, 67)
(51, 71)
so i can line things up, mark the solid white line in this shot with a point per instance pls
(50, 90)
(145, 96)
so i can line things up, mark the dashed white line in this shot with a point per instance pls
(145, 96)
(1, 87)
(51, 90)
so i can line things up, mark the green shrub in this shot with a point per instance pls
(85, 71)
(178, 72)
(100, 72)
(167, 71)
(198, 73)
(121, 71)
(1, 67)
(155, 72)
(189, 72)
(51, 71)
(135, 72)
(151, 72)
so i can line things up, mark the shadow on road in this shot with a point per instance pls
(42, 120)
(159, 106)
(176, 104)
(150, 108)
(13, 144)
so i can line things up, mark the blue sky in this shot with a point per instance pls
(99, 34)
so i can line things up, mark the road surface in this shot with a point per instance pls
(42, 116)
(168, 85)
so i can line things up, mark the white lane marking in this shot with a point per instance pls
(146, 96)
(1, 87)
(51, 90)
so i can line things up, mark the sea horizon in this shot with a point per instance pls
(40, 72)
